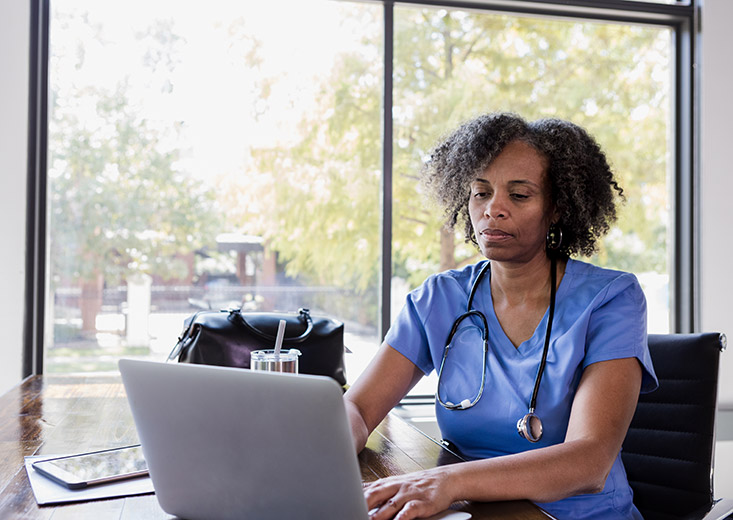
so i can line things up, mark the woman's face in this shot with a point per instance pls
(510, 205)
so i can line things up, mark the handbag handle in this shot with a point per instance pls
(303, 314)
(179, 343)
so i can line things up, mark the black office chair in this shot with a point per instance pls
(668, 451)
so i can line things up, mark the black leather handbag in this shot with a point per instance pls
(228, 337)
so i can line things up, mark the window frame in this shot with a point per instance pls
(682, 18)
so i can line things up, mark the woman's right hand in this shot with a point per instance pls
(413, 495)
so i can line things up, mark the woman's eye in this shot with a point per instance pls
(519, 196)
(479, 194)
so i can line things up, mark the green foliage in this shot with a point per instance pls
(449, 66)
(325, 206)
(121, 203)
(118, 202)
(597, 75)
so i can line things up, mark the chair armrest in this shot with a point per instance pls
(718, 510)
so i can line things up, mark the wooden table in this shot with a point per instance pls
(57, 414)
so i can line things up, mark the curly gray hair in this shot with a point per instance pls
(583, 189)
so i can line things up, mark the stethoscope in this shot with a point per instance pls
(529, 426)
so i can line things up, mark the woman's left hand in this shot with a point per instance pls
(404, 497)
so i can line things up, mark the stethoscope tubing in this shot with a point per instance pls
(524, 425)
(548, 333)
(485, 336)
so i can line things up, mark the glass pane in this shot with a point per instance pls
(207, 155)
(613, 79)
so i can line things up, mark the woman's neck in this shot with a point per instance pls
(518, 284)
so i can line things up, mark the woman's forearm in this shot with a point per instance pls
(359, 430)
(380, 387)
(541, 475)
(602, 409)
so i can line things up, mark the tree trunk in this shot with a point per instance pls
(268, 278)
(447, 249)
(91, 302)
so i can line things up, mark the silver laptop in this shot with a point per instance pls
(225, 443)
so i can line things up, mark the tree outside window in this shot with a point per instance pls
(229, 156)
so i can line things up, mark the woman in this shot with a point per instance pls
(570, 334)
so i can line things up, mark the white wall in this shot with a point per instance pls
(14, 49)
(716, 183)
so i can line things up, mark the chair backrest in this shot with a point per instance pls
(668, 451)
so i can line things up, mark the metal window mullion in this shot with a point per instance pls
(386, 191)
(693, 75)
(35, 275)
(685, 315)
(601, 10)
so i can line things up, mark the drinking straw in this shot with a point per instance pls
(279, 339)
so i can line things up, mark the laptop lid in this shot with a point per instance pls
(227, 443)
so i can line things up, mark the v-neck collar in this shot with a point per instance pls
(498, 338)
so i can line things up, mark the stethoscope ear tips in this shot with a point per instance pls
(463, 405)
(530, 427)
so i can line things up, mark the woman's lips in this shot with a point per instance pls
(495, 234)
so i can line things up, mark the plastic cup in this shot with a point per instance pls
(268, 361)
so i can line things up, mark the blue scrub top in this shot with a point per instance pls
(600, 315)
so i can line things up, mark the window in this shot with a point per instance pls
(227, 155)
(612, 79)
(207, 158)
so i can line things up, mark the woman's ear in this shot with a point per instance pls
(554, 215)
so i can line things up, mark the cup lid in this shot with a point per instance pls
(285, 355)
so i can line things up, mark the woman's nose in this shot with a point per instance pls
(496, 207)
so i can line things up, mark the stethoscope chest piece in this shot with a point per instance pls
(530, 427)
